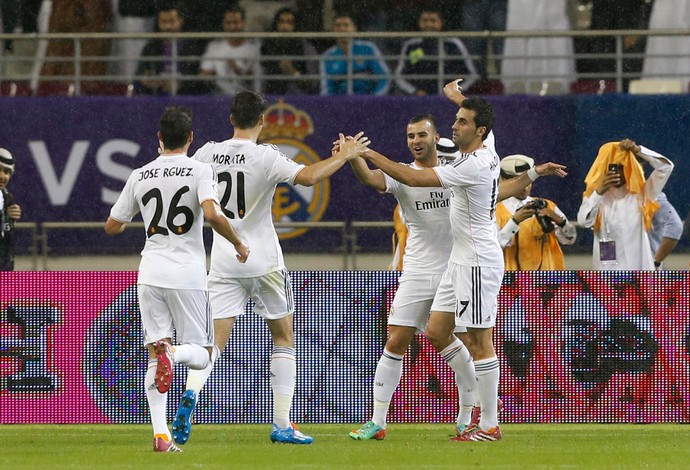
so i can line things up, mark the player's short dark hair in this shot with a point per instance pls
(484, 113)
(175, 126)
(247, 108)
(424, 117)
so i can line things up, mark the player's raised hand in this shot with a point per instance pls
(242, 252)
(550, 168)
(453, 91)
(352, 147)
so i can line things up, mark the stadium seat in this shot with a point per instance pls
(55, 88)
(10, 88)
(486, 87)
(105, 89)
(592, 87)
(658, 87)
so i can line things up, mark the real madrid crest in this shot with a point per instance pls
(286, 127)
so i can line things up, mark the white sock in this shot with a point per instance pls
(386, 380)
(192, 356)
(283, 378)
(466, 403)
(488, 374)
(196, 379)
(157, 401)
(458, 358)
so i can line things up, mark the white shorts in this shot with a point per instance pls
(271, 293)
(412, 301)
(476, 291)
(187, 311)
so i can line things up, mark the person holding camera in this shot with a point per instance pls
(531, 230)
(10, 212)
(619, 204)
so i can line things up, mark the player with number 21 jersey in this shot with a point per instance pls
(247, 174)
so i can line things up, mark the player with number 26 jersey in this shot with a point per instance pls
(247, 175)
(166, 190)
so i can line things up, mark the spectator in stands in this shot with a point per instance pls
(76, 16)
(619, 204)
(359, 59)
(668, 14)
(202, 17)
(285, 21)
(531, 230)
(161, 57)
(530, 63)
(10, 212)
(421, 56)
(614, 14)
(130, 16)
(18, 13)
(484, 15)
(234, 61)
(666, 230)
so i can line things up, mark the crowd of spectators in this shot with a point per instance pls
(349, 65)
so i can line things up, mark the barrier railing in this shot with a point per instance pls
(40, 249)
(74, 82)
(36, 236)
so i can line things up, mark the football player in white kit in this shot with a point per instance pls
(248, 174)
(174, 195)
(426, 214)
(475, 270)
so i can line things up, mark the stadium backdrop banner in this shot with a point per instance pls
(75, 153)
(573, 346)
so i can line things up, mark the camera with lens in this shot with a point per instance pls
(545, 222)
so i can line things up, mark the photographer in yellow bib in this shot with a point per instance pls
(530, 230)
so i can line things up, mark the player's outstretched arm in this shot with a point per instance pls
(511, 187)
(113, 227)
(347, 150)
(403, 173)
(366, 175)
(220, 223)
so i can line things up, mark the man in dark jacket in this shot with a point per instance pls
(10, 212)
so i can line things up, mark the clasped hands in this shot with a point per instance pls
(350, 147)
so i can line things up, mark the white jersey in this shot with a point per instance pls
(473, 178)
(248, 174)
(217, 57)
(168, 192)
(426, 214)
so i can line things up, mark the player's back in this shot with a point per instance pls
(248, 174)
(168, 192)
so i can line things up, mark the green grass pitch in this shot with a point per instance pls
(593, 446)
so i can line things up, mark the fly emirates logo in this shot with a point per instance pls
(438, 200)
